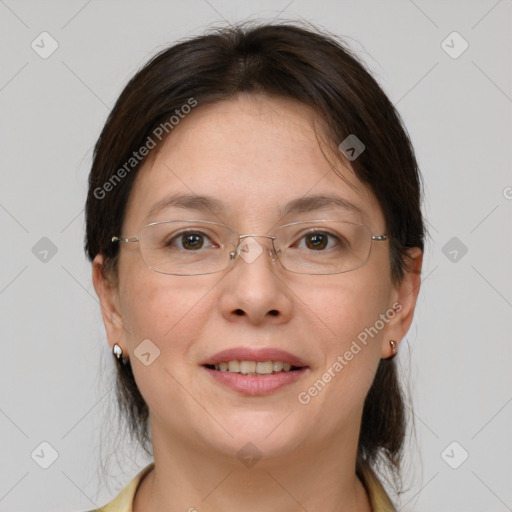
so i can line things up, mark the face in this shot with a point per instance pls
(254, 155)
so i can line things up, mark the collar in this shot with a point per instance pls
(379, 499)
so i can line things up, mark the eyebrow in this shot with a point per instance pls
(187, 202)
(204, 203)
(319, 202)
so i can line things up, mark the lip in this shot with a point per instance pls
(255, 385)
(252, 354)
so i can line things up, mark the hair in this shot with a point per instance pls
(282, 60)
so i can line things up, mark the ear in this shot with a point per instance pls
(404, 299)
(107, 292)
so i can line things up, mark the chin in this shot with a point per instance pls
(260, 434)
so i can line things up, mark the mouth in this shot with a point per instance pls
(255, 372)
(253, 368)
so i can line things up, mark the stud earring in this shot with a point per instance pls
(394, 346)
(118, 354)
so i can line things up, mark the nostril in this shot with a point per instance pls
(273, 312)
(239, 312)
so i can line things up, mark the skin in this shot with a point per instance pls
(254, 153)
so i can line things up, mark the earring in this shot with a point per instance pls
(118, 353)
(394, 346)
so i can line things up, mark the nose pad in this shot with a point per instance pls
(273, 254)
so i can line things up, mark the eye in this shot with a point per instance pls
(190, 241)
(318, 241)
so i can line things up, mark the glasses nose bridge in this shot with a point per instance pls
(240, 245)
(253, 235)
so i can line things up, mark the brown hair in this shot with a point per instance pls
(282, 60)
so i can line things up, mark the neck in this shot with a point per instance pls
(189, 478)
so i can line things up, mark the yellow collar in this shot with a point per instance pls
(379, 500)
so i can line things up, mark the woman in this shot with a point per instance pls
(255, 229)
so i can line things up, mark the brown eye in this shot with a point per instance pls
(317, 241)
(189, 241)
(192, 241)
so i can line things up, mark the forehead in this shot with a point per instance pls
(254, 155)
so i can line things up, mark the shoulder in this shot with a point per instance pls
(124, 500)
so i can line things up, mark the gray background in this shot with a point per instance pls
(56, 370)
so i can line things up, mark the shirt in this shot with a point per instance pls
(379, 500)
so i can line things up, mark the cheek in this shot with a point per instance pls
(162, 307)
(170, 312)
(345, 307)
(346, 316)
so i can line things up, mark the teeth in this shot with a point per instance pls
(264, 367)
(253, 367)
(277, 366)
(247, 367)
(234, 366)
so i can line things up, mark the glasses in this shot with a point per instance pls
(316, 247)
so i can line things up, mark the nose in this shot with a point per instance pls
(254, 291)
(249, 249)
